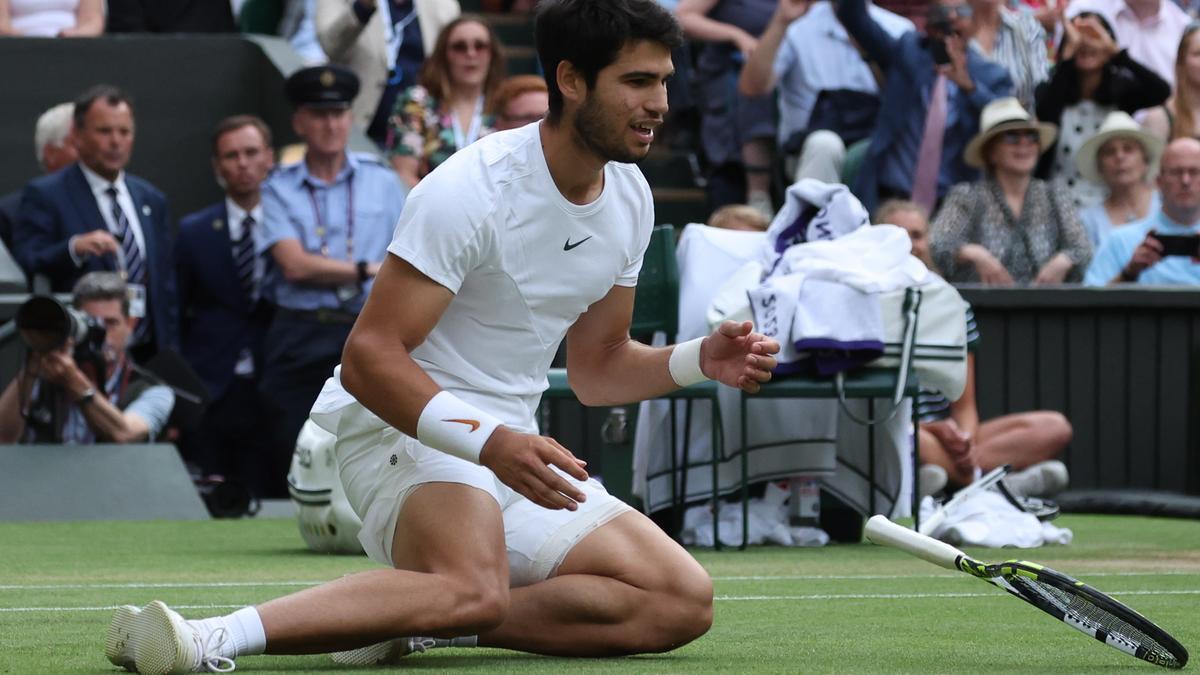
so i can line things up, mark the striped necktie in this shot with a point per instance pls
(135, 269)
(244, 258)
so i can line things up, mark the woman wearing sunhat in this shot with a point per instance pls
(1009, 227)
(1123, 158)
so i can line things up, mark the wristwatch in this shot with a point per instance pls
(86, 397)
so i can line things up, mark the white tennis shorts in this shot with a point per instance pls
(380, 467)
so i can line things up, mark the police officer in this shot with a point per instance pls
(328, 220)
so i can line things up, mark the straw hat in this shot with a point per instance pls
(999, 116)
(1117, 124)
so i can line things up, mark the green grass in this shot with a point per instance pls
(849, 608)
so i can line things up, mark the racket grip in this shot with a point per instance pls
(884, 532)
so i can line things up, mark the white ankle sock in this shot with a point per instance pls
(246, 634)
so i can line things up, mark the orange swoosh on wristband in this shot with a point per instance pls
(474, 424)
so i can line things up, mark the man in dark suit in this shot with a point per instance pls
(934, 91)
(225, 315)
(93, 216)
(52, 142)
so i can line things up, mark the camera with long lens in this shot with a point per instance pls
(45, 325)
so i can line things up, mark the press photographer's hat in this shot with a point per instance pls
(999, 116)
(1117, 124)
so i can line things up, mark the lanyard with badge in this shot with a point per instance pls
(394, 35)
(350, 291)
(462, 140)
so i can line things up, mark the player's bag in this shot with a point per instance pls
(326, 521)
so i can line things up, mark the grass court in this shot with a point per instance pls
(844, 608)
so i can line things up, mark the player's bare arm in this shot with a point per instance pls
(606, 367)
(378, 369)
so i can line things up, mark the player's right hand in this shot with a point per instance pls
(523, 461)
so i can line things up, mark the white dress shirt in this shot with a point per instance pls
(99, 188)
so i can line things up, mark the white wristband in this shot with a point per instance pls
(684, 363)
(455, 427)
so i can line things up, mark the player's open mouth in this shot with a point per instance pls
(644, 133)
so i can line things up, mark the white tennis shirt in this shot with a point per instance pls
(490, 225)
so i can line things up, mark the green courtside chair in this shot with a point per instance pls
(656, 308)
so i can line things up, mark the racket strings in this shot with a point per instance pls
(1085, 612)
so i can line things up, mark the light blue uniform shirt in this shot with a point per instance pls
(1117, 250)
(295, 203)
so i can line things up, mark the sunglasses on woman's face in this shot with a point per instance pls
(1018, 137)
(464, 46)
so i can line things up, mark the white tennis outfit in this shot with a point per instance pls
(523, 262)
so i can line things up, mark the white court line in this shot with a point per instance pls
(785, 577)
(724, 598)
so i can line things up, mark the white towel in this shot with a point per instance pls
(988, 519)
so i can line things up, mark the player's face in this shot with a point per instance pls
(325, 130)
(105, 141)
(619, 116)
(243, 160)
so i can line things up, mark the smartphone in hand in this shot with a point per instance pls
(1179, 244)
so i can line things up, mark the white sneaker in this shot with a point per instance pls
(164, 643)
(931, 478)
(1044, 479)
(118, 643)
(385, 653)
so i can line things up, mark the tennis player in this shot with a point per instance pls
(494, 535)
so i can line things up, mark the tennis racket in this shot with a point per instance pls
(1076, 604)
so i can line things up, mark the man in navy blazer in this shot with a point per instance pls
(911, 64)
(93, 216)
(225, 315)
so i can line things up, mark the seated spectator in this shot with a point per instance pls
(954, 444)
(1009, 227)
(1123, 159)
(742, 217)
(170, 16)
(446, 111)
(94, 216)
(51, 18)
(936, 87)
(736, 129)
(384, 42)
(1149, 29)
(1015, 40)
(1093, 78)
(109, 403)
(54, 150)
(520, 100)
(1179, 117)
(1134, 253)
(803, 52)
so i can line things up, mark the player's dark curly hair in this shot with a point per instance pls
(589, 33)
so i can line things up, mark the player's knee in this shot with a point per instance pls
(479, 606)
(683, 612)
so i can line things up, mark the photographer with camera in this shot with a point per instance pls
(935, 89)
(1163, 249)
(79, 384)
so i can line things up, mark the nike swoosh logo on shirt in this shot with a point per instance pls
(474, 424)
(568, 246)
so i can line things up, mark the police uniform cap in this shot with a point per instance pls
(327, 86)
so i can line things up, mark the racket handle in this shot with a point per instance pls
(884, 532)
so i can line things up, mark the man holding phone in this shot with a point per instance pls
(1163, 249)
(934, 91)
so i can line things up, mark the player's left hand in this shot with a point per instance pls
(737, 356)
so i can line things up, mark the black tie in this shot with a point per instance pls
(135, 270)
(244, 258)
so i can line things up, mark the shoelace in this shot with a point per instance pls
(208, 652)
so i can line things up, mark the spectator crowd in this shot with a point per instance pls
(1032, 144)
